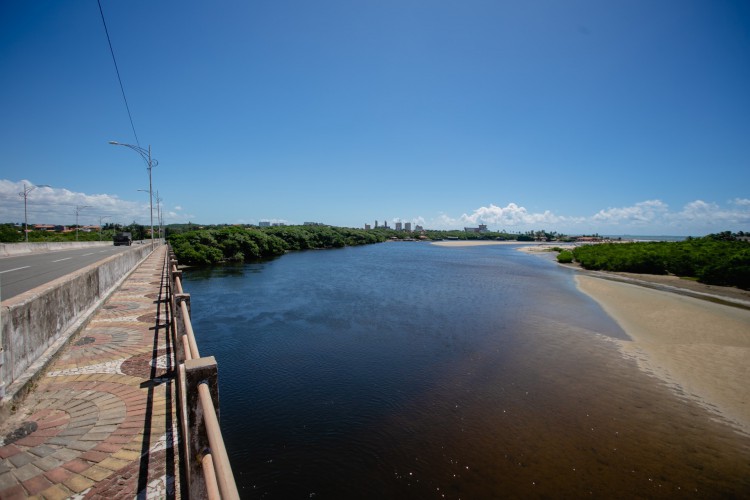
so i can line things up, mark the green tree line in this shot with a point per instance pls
(238, 244)
(716, 259)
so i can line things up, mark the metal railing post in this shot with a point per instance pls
(198, 372)
(179, 325)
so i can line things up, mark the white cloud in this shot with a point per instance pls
(654, 216)
(700, 210)
(47, 205)
(642, 213)
(645, 217)
(511, 215)
(711, 215)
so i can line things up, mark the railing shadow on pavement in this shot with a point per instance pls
(207, 468)
(166, 376)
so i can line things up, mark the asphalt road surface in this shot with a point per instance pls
(23, 272)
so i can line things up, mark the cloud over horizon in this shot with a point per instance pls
(57, 206)
(49, 205)
(647, 217)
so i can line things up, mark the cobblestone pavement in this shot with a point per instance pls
(102, 422)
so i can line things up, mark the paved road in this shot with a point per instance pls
(24, 272)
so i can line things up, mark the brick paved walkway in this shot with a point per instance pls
(102, 421)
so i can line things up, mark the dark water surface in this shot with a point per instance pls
(408, 370)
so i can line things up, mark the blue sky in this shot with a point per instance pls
(617, 117)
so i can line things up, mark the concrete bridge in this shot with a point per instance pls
(104, 393)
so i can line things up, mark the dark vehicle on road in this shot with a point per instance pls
(123, 239)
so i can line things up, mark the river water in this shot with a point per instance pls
(409, 370)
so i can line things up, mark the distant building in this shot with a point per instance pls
(407, 226)
(481, 229)
(264, 223)
(367, 227)
(398, 226)
(418, 228)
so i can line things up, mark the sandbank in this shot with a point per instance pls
(476, 243)
(699, 348)
(542, 246)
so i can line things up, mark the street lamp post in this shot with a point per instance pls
(158, 212)
(25, 194)
(150, 163)
(101, 218)
(78, 211)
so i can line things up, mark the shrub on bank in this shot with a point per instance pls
(565, 257)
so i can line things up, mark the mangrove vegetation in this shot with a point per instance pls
(229, 244)
(716, 259)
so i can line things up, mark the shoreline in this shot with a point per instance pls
(476, 243)
(693, 337)
(698, 347)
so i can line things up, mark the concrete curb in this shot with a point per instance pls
(13, 249)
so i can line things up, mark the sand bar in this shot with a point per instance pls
(476, 243)
(700, 348)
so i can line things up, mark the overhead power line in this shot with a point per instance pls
(114, 60)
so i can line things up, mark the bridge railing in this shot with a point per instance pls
(207, 468)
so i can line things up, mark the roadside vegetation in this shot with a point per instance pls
(13, 233)
(716, 259)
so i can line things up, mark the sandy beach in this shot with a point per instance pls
(476, 243)
(699, 348)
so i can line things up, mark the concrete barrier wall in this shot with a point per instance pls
(9, 249)
(37, 323)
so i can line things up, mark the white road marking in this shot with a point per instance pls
(60, 260)
(86, 254)
(11, 270)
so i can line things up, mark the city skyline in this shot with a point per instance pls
(617, 118)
